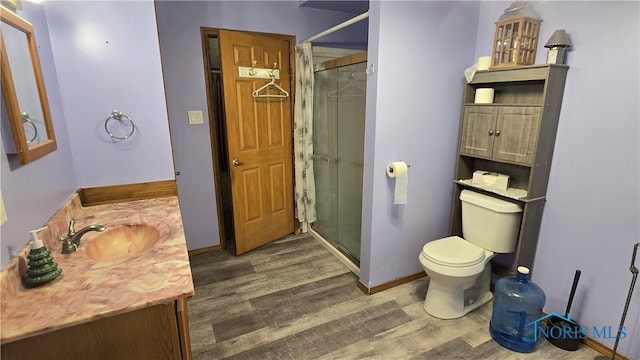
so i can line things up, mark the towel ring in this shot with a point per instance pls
(118, 115)
(26, 119)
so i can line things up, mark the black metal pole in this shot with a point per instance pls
(634, 271)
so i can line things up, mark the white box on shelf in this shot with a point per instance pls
(491, 180)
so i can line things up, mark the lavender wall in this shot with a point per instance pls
(107, 58)
(182, 62)
(181, 50)
(591, 219)
(94, 59)
(413, 114)
(33, 192)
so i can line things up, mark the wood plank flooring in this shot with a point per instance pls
(292, 299)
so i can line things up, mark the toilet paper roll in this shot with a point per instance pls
(484, 96)
(399, 170)
(484, 62)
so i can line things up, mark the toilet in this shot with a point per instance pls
(459, 269)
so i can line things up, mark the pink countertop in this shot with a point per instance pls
(88, 290)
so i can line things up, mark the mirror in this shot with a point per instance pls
(25, 106)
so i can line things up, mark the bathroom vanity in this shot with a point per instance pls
(153, 332)
(106, 304)
(514, 135)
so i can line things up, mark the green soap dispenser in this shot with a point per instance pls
(42, 268)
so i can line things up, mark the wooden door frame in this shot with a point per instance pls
(205, 33)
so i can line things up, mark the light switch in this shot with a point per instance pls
(3, 211)
(195, 117)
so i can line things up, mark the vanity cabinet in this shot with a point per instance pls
(155, 332)
(514, 135)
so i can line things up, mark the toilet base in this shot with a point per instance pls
(456, 297)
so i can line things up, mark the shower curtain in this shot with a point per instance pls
(305, 192)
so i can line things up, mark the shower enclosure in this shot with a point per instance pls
(338, 142)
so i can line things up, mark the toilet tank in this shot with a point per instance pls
(489, 222)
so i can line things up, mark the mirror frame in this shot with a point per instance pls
(25, 152)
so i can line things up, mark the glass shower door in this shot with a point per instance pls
(339, 117)
(324, 156)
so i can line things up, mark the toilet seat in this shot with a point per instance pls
(453, 251)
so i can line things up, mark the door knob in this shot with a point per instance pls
(490, 132)
(497, 132)
(236, 162)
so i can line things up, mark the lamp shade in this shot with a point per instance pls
(560, 38)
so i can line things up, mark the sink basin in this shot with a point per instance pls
(121, 242)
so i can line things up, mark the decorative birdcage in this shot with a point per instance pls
(516, 37)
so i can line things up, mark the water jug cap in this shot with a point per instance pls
(523, 270)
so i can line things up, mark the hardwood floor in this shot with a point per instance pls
(292, 299)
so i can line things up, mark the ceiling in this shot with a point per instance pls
(348, 6)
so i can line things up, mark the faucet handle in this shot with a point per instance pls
(67, 245)
(72, 230)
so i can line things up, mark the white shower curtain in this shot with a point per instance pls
(305, 187)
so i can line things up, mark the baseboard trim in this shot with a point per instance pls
(390, 284)
(101, 195)
(205, 250)
(602, 349)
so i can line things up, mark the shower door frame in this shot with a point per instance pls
(352, 59)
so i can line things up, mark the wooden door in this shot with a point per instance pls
(516, 134)
(259, 139)
(478, 125)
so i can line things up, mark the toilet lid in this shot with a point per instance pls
(453, 251)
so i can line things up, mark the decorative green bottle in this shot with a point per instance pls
(42, 268)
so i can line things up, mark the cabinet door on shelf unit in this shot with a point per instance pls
(516, 134)
(478, 125)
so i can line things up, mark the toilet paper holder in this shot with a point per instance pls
(390, 169)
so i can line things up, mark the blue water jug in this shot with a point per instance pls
(517, 309)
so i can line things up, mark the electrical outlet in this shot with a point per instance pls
(195, 117)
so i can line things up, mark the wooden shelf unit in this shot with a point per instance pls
(524, 115)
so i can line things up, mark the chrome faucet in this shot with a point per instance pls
(71, 242)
